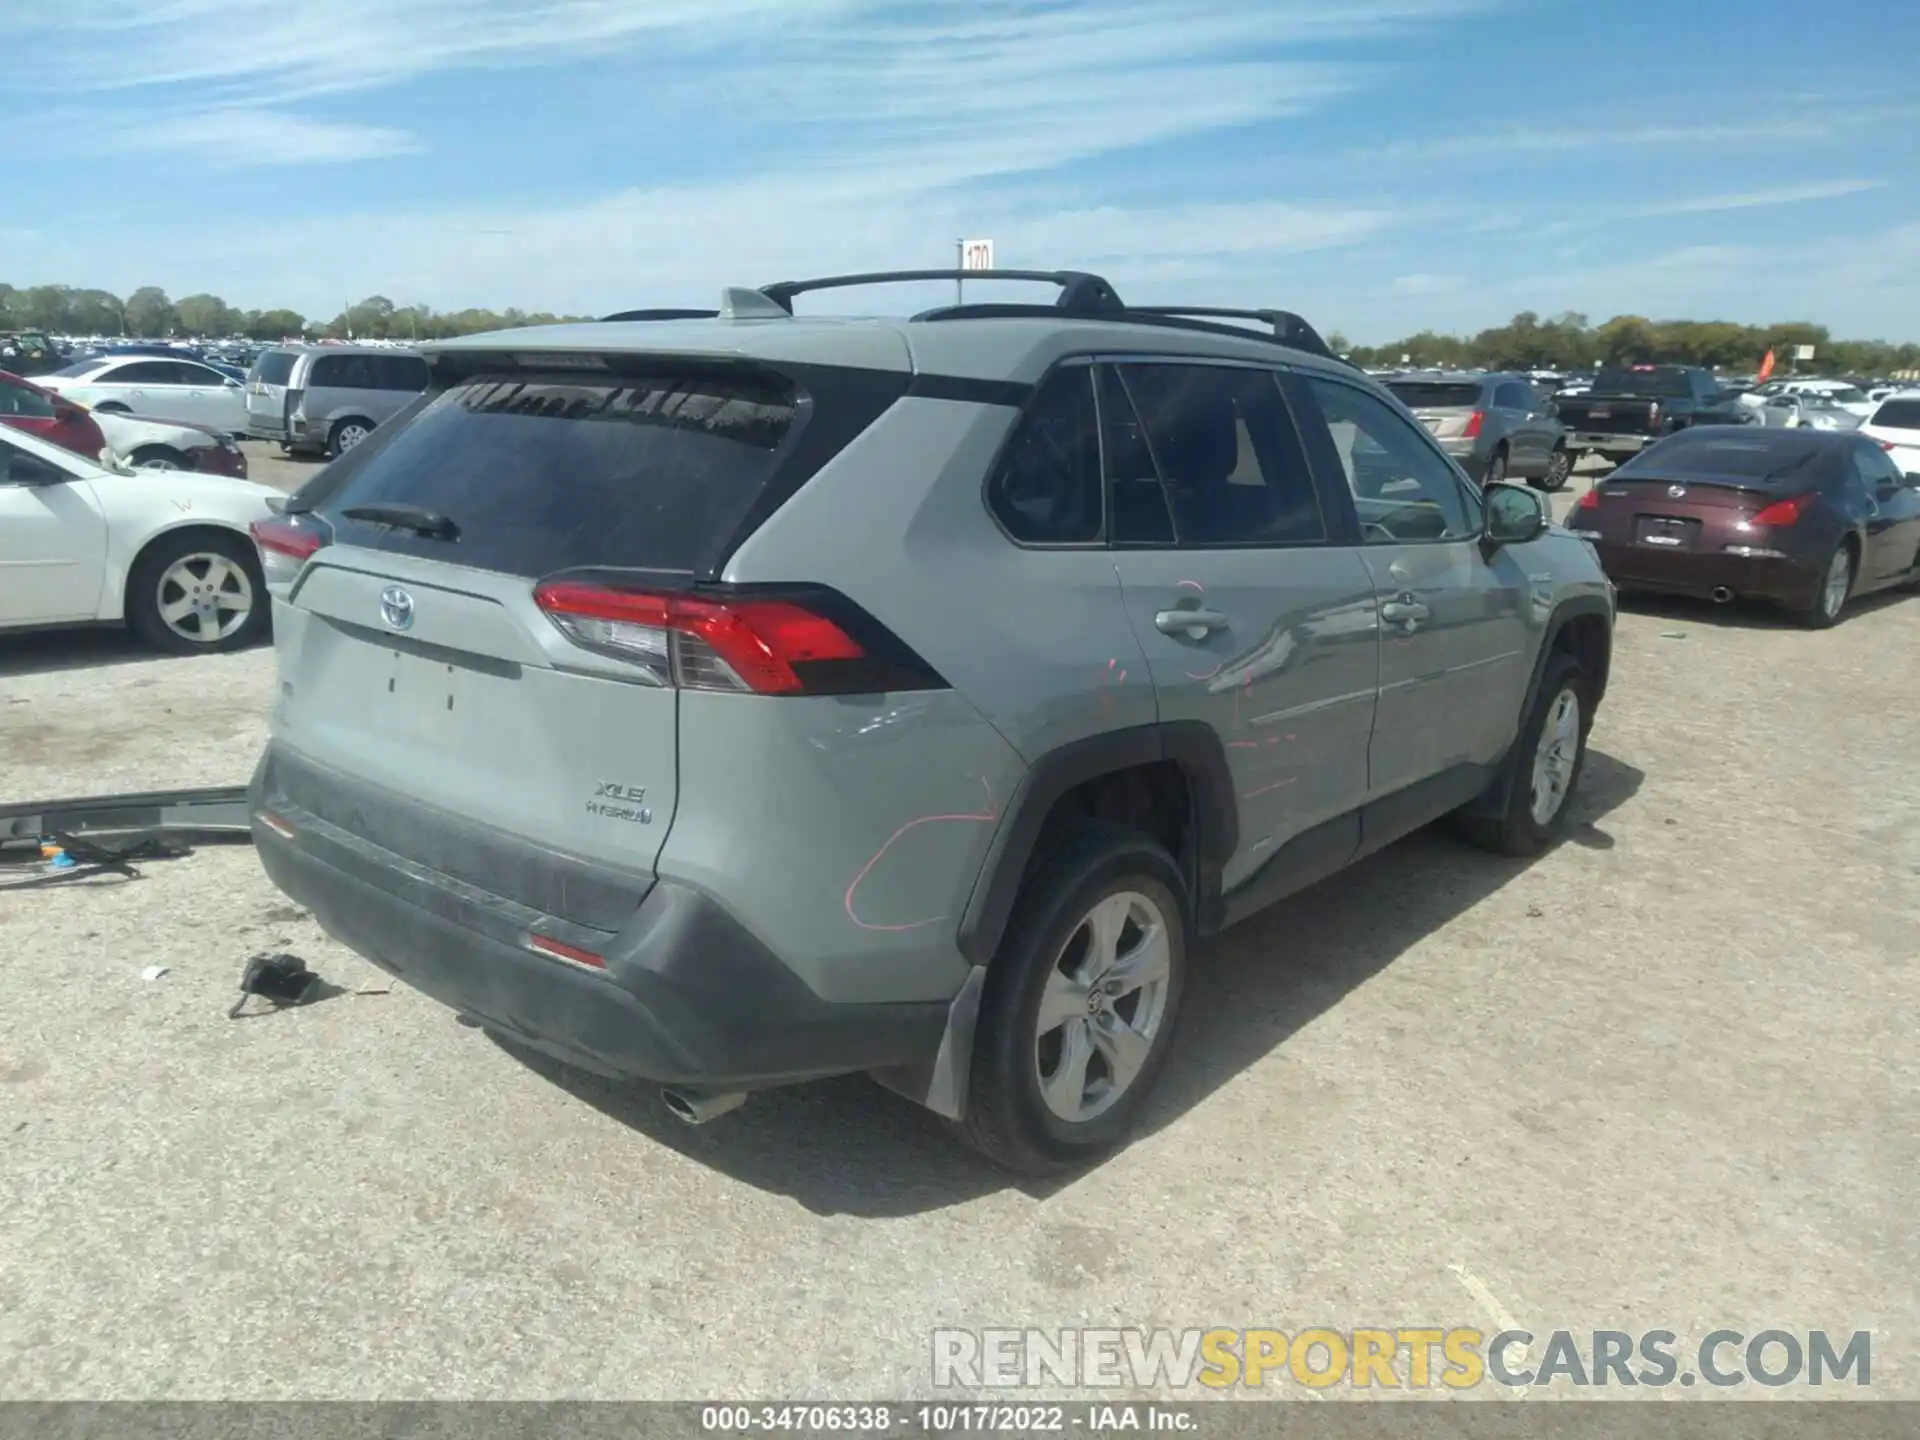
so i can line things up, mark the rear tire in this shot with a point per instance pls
(217, 569)
(1836, 586)
(346, 434)
(1549, 754)
(1559, 470)
(1064, 1057)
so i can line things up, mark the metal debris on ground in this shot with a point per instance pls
(1673, 634)
(154, 972)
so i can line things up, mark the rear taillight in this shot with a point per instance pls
(1588, 502)
(285, 543)
(762, 645)
(1474, 422)
(1785, 512)
(1653, 413)
(1886, 444)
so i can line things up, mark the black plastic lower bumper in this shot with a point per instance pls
(688, 996)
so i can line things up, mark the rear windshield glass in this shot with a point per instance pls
(1898, 415)
(541, 475)
(1735, 455)
(1655, 380)
(274, 368)
(1436, 394)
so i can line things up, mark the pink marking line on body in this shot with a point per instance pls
(1269, 789)
(990, 815)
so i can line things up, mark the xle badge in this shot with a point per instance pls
(614, 801)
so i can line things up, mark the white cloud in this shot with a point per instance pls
(233, 137)
(1754, 199)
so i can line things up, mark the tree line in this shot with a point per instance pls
(1564, 342)
(1569, 342)
(149, 314)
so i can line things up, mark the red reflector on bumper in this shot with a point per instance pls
(560, 950)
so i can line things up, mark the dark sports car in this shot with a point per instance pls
(1804, 518)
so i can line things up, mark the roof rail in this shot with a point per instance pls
(661, 315)
(1080, 293)
(1288, 328)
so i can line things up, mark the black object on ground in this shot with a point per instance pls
(283, 979)
(89, 858)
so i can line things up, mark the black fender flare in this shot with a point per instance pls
(1493, 801)
(1191, 744)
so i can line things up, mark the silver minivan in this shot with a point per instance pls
(325, 399)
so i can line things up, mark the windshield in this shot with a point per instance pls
(83, 367)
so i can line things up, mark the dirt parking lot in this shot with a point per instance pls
(1661, 1078)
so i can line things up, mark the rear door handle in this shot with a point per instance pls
(1194, 624)
(1404, 612)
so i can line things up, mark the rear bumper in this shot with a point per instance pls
(1749, 577)
(1607, 444)
(688, 996)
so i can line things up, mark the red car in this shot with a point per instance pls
(25, 406)
(1807, 519)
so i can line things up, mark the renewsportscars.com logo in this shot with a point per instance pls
(1412, 1358)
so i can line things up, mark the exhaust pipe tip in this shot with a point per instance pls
(1721, 594)
(697, 1107)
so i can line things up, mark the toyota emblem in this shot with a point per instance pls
(396, 608)
(1675, 492)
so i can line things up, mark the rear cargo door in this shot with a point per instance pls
(267, 392)
(419, 656)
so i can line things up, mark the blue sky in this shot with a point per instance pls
(1379, 165)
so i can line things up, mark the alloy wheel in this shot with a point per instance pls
(204, 597)
(1555, 756)
(1102, 1009)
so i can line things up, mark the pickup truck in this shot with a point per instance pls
(1631, 406)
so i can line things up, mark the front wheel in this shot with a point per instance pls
(198, 593)
(1559, 470)
(1080, 1004)
(1548, 755)
(157, 457)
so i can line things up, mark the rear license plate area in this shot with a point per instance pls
(1665, 532)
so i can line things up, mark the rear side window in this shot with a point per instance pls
(1228, 455)
(542, 475)
(1898, 415)
(1513, 396)
(141, 372)
(341, 372)
(1046, 490)
(398, 372)
(274, 368)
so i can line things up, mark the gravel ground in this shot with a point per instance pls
(1660, 1078)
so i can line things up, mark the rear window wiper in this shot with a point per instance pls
(418, 519)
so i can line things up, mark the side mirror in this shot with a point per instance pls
(1514, 515)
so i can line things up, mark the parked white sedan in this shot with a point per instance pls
(167, 553)
(157, 386)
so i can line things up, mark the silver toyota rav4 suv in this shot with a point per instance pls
(734, 699)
